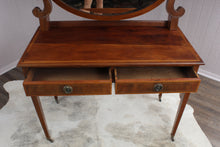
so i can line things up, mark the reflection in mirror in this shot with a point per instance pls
(109, 7)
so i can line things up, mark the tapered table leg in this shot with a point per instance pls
(40, 113)
(160, 96)
(56, 99)
(181, 108)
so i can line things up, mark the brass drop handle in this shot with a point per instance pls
(158, 87)
(67, 89)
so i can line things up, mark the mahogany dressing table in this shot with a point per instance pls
(85, 57)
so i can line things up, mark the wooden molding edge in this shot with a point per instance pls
(5, 68)
(174, 15)
(209, 75)
(43, 15)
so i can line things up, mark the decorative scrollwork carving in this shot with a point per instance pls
(45, 12)
(174, 14)
(43, 15)
(170, 9)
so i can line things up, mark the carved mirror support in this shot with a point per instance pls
(174, 15)
(43, 15)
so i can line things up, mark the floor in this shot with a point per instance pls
(206, 103)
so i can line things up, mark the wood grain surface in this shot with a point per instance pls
(107, 46)
(83, 81)
(144, 79)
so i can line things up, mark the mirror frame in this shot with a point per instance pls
(104, 17)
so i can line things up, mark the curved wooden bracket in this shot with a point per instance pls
(43, 15)
(174, 14)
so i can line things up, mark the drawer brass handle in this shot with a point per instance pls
(158, 87)
(67, 89)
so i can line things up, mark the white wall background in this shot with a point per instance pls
(200, 24)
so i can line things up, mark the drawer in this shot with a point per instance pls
(68, 81)
(155, 80)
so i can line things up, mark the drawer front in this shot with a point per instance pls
(52, 89)
(70, 81)
(156, 80)
(156, 87)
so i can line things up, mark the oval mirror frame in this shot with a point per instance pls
(108, 17)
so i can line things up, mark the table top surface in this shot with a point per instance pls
(109, 46)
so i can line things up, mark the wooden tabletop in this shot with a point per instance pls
(109, 46)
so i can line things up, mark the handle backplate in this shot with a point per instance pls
(158, 87)
(67, 89)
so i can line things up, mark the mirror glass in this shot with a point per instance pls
(109, 7)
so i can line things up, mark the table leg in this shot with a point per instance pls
(56, 99)
(160, 96)
(181, 108)
(40, 113)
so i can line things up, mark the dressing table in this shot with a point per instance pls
(86, 57)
